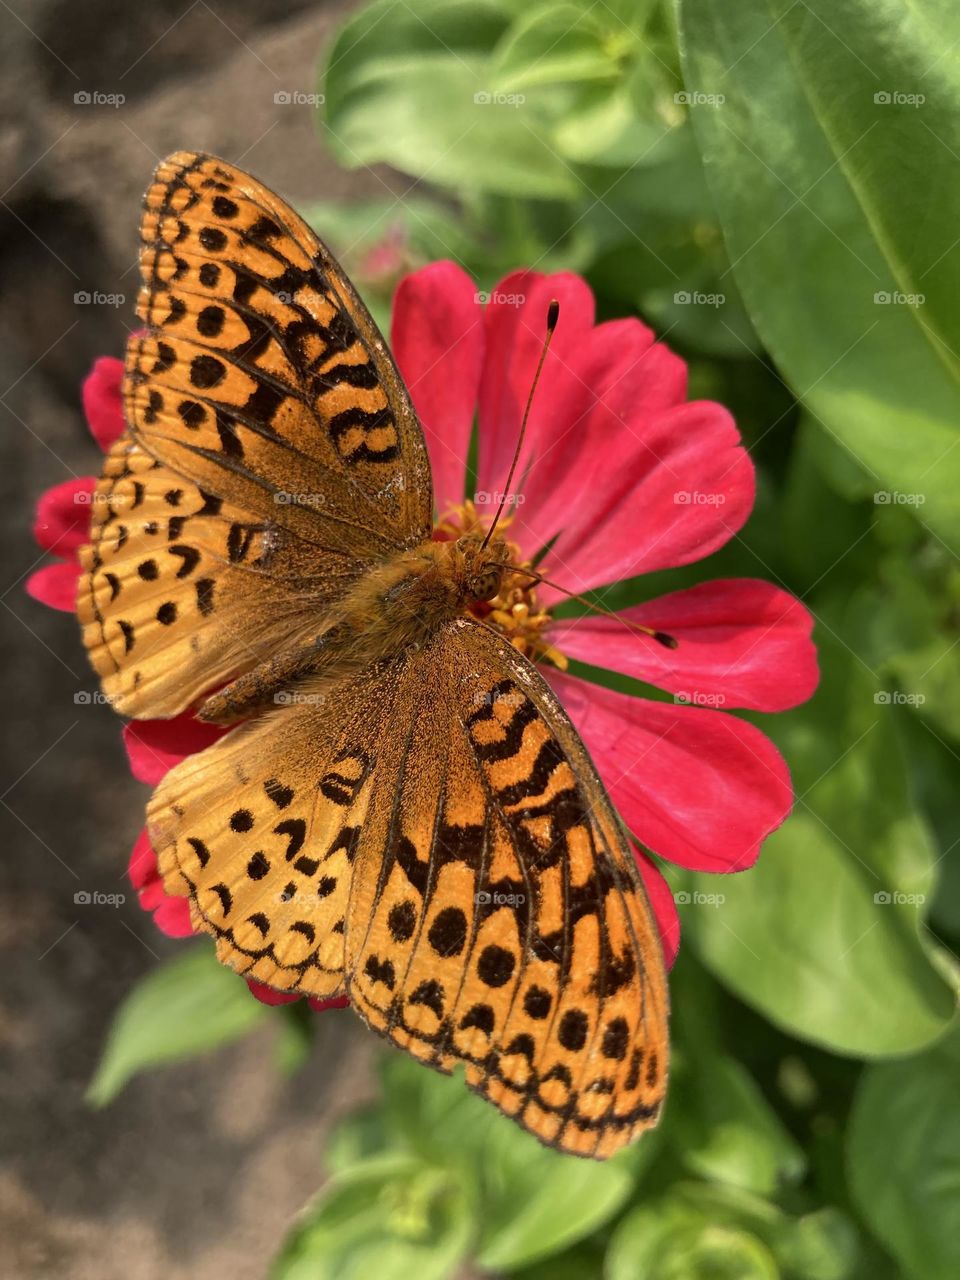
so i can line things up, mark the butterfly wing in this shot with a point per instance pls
(485, 908)
(499, 921)
(273, 453)
(261, 375)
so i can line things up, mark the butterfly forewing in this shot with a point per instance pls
(261, 374)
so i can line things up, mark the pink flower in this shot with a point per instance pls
(620, 476)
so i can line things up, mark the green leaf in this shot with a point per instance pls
(832, 201)
(699, 1231)
(904, 1159)
(391, 1217)
(824, 936)
(558, 43)
(185, 1007)
(537, 1203)
(412, 86)
(725, 1130)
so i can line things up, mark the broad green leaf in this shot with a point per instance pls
(725, 1130)
(412, 86)
(391, 1217)
(904, 1158)
(183, 1008)
(837, 193)
(538, 1203)
(559, 43)
(824, 935)
(699, 1231)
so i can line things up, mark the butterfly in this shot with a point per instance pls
(402, 812)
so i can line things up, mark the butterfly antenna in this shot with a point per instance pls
(553, 314)
(661, 637)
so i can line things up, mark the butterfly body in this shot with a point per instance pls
(406, 814)
(394, 606)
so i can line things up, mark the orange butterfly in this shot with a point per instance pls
(405, 814)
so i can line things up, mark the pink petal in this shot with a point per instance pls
(515, 323)
(675, 486)
(56, 585)
(62, 522)
(699, 787)
(171, 914)
(616, 376)
(335, 1002)
(155, 746)
(437, 339)
(142, 867)
(172, 917)
(267, 995)
(662, 904)
(740, 643)
(102, 403)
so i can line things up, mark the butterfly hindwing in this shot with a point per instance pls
(173, 581)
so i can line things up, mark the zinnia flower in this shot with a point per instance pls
(619, 475)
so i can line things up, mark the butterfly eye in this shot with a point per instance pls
(486, 586)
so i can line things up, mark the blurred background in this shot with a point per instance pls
(773, 187)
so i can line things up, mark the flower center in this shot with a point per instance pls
(514, 611)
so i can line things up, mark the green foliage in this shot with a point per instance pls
(186, 1006)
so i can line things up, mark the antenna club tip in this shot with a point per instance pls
(668, 642)
(553, 314)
